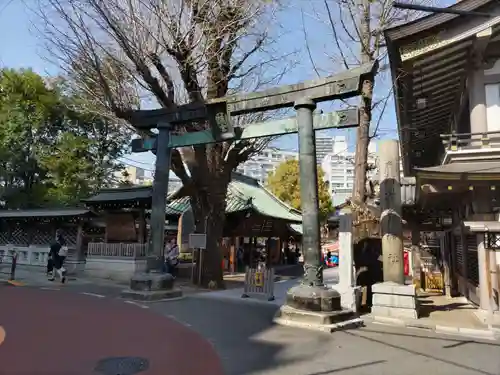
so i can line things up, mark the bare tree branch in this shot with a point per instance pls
(126, 53)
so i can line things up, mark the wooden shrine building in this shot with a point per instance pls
(119, 236)
(446, 74)
(30, 232)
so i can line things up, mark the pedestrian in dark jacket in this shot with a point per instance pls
(57, 255)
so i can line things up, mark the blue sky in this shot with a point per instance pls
(20, 48)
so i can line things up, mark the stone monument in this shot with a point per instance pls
(350, 294)
(392, 298)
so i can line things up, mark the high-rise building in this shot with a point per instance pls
(132, 175)
(265, 162)
(338, 167)
(324, 145)
(137, 176)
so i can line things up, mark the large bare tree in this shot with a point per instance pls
(356, 29)
(128, 53)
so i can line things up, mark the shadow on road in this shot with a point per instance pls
(238, 332)
(248, 343)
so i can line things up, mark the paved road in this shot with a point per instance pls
(247, 343)
(330, 278)
(56, 332)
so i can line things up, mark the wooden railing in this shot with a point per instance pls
(121, 249)
(456, 141)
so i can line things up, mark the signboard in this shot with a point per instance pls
(148, 119)
(198, 241)
(259, 279)
(220, 121)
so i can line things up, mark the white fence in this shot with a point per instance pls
(123, 250)
(259, 283)
(26, 255)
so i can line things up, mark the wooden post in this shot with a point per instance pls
(390, 220)
(142, 226)
(79, 241)
(445, 256)
(494, 279)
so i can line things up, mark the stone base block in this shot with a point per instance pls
(317, 320)
(393, 288)
(151, 287)
(394, 312)
(313, 298)
(402, 301)
(152, 281)
(151, 296)
(350, 297)
(391, 300)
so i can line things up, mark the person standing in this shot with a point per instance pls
(172, 257)
(58, 254)
(240, 259)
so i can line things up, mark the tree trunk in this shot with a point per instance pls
(209, 207)
(365, 113)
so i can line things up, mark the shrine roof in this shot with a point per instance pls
(243, 193)
(59, 212)
(485, 169)
(430, 59)
(122, 194)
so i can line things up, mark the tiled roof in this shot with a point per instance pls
(121, 194)
(246, 193)
(43, 213)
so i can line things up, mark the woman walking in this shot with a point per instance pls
(58, 253)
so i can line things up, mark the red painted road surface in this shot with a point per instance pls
(59, 333)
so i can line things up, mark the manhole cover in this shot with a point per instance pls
(121, 365)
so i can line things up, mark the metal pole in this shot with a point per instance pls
(159, 200)
(13, 267)
(311, 249)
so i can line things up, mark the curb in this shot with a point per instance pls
(11, 282)
(476, 333)
(328, 328)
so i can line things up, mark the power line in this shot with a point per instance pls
(136, 161)
(2, 9)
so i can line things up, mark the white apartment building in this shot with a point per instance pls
(140, 177)
(338, 166)
(324, 145)
(260, 165)
(133, 175)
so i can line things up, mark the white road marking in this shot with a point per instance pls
(50, 288)
(137, 304)
(93, 295)
(179, 321)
